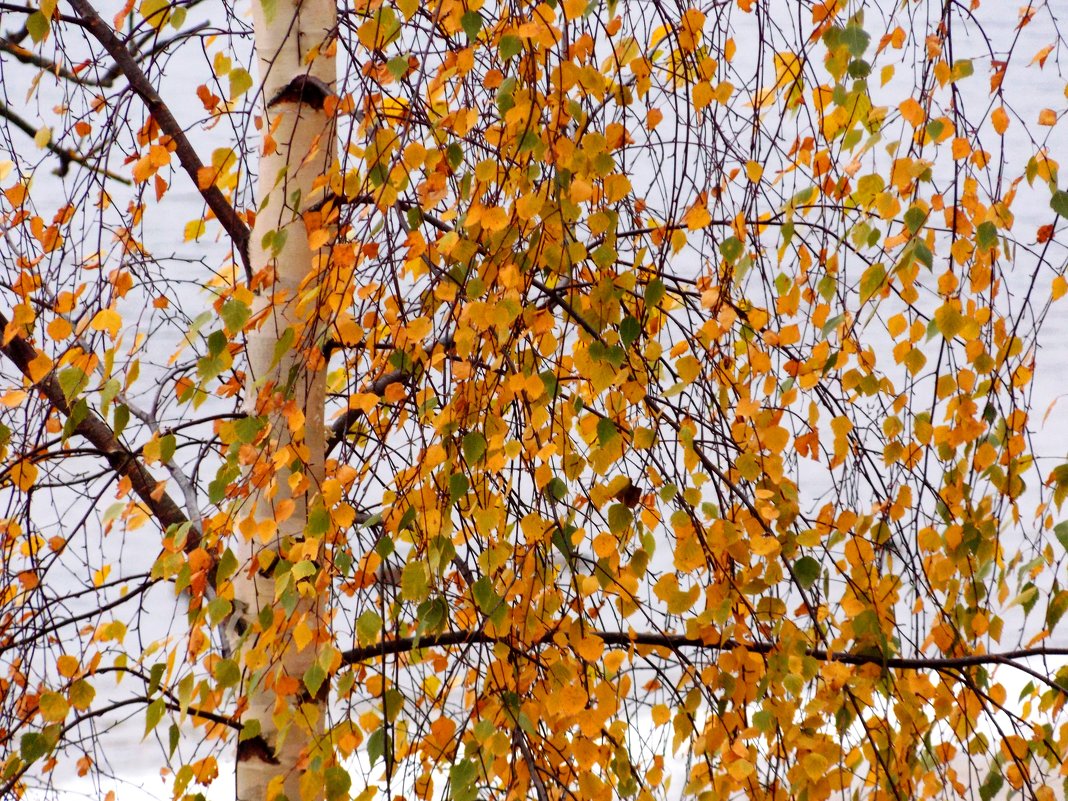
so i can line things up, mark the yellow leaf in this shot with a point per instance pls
(616, 187)
(754, 171)
(67, 666)
(661, 715)
(42, 137)
(702, 95)
(494, 219)
(1000, 120)
(302, 635)
(364, 401)
(13, 398)
(59, 328)
(107, 320)
(155, 12)
(688, 368)
(581, 190)
(194, 229)
(589, 648)
(697, 217)
(39, 367)
(527, 206)
(912, 112)
(6, 166)
(571, 699)
(1047, 117)
(54, 707)
(23, 474)
(604, 545)
(205, 177)
(1060, 286)
(318, 238)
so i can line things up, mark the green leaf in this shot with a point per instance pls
(240, 82)
(915, 218)
(619, 517)
(1058, 605)
(318, 521)
(993, 784)
(556, 488)
(872, 281)
(509, 47)
(337, 783)
(731, 248)
(415, 581)
(485, 596)
(379, 746)
(474, 446)
(235, 314)
(167, 444)
(471, 22)
(72, 380)
(986, 235)
(629, 331)
(368, 627)
(227, 673)
(33, 746)
(313, 678)
(398, 68)
(227, 566)
(431, 615)
(807, 571)
(856, 39)
(654, 292)
(1059, 203)
(458, 486)
(462, 777)
(155, 676)
(37, 25)
(1061, 530)
(153, 715)
(606, 431)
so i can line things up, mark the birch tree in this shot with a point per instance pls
(561, 400)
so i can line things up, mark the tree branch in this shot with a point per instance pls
(93, 427)
(224, 212)
(624, 639)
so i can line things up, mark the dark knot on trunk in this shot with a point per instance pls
(305, 89)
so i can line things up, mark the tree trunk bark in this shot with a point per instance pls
(295, 48)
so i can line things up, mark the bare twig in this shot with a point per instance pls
(224, 212)
(66, 155)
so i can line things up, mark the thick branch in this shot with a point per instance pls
(191, 163)
(122, 460)
(624, 639)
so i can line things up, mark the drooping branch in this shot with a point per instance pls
(222, 209)
(96, 430)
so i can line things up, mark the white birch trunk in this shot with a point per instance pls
(295, 47)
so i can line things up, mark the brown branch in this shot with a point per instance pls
(624, 639)
(224, 212)
(378, 387)
(94, 428)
